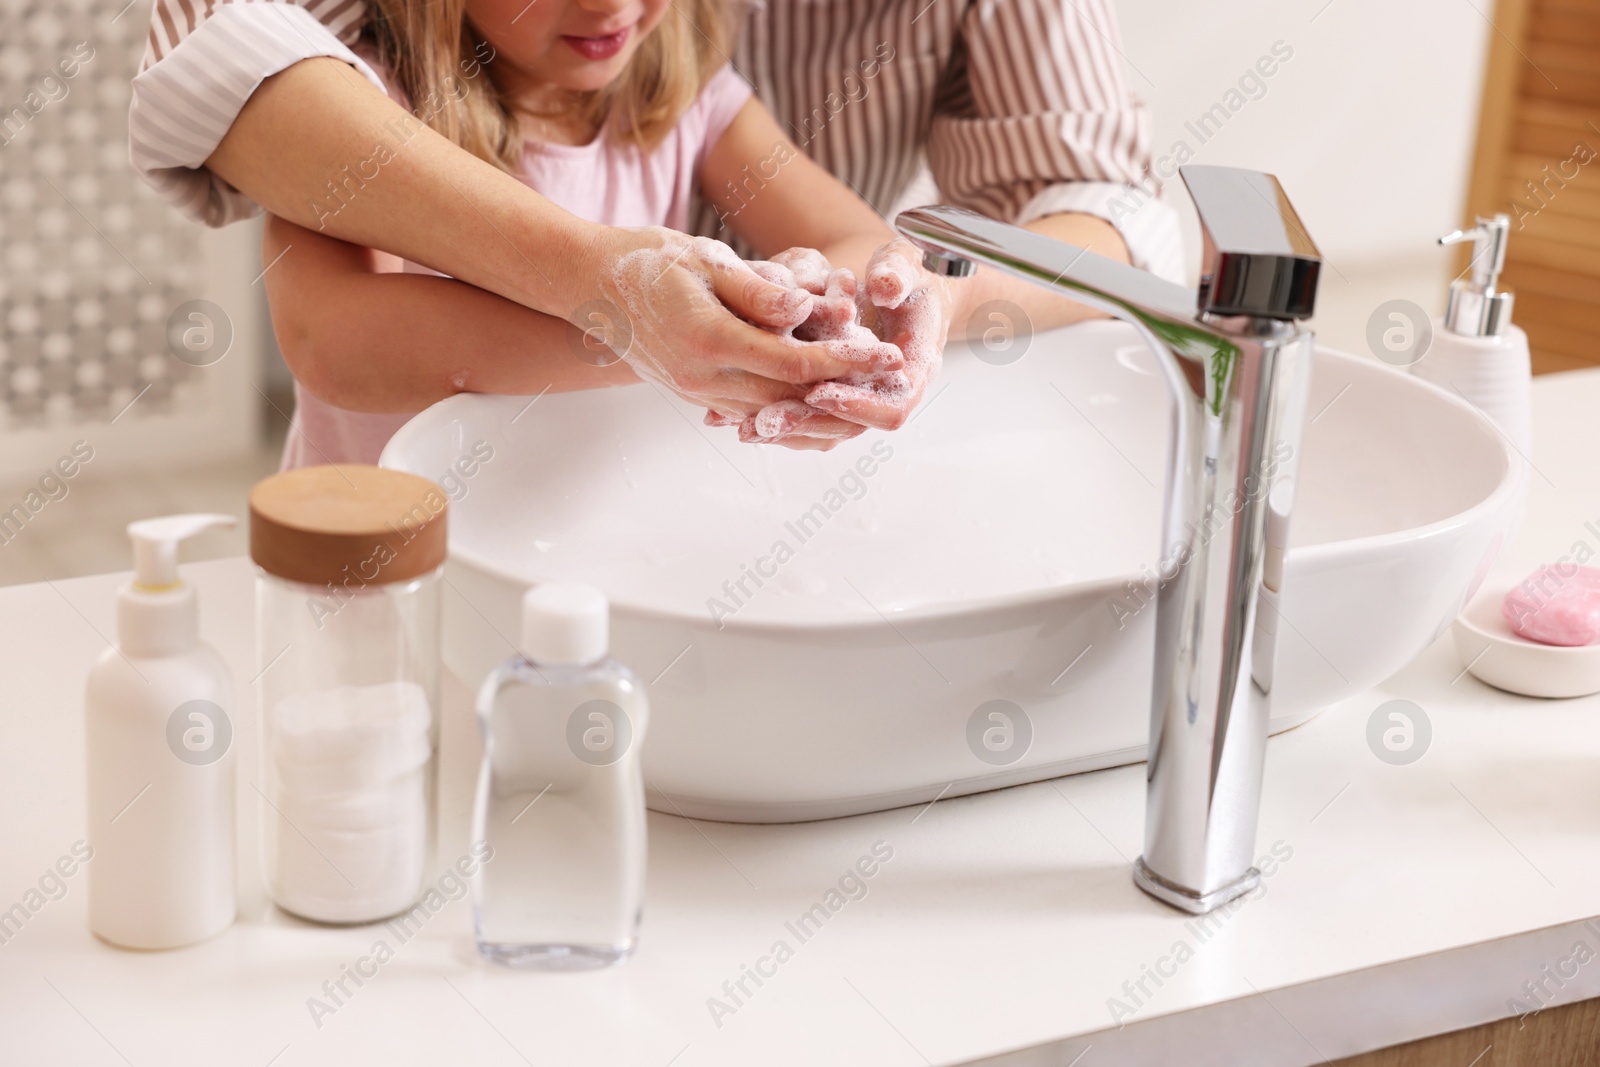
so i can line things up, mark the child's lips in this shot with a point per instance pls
(597, 48)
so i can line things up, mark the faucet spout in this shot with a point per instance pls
(1237, 362)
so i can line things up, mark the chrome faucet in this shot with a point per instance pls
(1238, 365)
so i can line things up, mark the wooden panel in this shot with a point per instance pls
(1554, 362)
(1552, 226)
(1558, 57)
(1554, 311)
(1578, 198)
(1540, 252)
(1525, 208)
(1560, 72)
(1548, 337)
(1555, 113)
(1568, 1036)
(1527, 278)
(1577, 25)
(1551, 131)
(1499, 105)
(1541, 98)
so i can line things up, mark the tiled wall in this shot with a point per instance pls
(92, 263)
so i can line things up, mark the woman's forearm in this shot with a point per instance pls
(1042, 308)
(319, 145)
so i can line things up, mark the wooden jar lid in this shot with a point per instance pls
(347, 523)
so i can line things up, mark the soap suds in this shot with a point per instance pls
(890, 328)
(635, 285)
(855, 321)
(836, 319)
(810, 268)
(794, 418)
(892, 278)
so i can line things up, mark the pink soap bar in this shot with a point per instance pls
(1556, 605)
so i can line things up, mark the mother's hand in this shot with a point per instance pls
(675, 293)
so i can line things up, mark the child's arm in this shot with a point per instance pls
(803, 205)
(799, 205)
(362, 336)
(438, 205)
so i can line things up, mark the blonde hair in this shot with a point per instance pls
(436, 54)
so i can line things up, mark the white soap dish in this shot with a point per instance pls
(1499, 657)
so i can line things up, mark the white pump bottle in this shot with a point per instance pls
(1477, 352)
(160, 762)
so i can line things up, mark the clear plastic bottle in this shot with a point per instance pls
(560, 792)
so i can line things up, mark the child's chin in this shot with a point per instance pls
(589, 85)
(594, 75)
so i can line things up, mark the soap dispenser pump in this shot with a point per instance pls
(1477, 352)
(160, 762)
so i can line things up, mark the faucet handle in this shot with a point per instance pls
(1259, 260)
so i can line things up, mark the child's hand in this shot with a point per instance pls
(910, 308)
(903, 305)
(675, 293)
(795, 424)
(834, 317)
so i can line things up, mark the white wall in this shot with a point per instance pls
(1369, 126)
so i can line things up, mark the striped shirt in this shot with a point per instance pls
(1015, 108)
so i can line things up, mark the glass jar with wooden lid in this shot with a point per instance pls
(348, 563)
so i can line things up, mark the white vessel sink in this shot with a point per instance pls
(979, 560)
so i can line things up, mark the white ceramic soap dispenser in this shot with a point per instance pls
(1477, 353)
(160, 758)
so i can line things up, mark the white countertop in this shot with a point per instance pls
(1417, 899)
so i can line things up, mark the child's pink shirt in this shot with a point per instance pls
(603, 181)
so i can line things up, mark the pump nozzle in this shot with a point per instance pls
(1476, 309)
(155, 545)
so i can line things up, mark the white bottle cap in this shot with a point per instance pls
(565, 624)
(157, 614)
